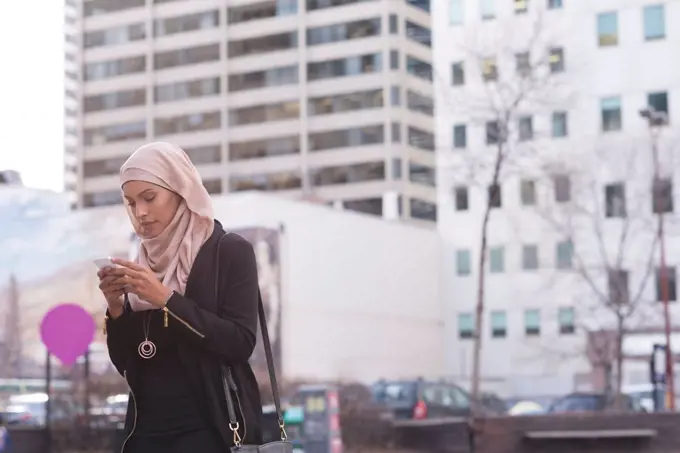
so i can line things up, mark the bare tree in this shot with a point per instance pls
(609, 246)
(519, 78)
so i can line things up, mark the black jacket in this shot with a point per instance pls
(211, 332)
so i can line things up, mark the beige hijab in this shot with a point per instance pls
(171, 254)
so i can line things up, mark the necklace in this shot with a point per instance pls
(146, 349)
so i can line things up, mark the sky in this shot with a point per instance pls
(31, 91)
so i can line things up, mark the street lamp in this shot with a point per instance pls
(655, 119)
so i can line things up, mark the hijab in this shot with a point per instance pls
(171, 254)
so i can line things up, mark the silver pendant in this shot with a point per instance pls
(146, 349)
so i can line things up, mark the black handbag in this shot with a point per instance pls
(280, 446)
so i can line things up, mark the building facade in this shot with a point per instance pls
(323, 99)
(557, 86)
(71, 98)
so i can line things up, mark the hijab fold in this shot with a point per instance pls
(171, 254)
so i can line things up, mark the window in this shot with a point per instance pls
(615, 200)
(489, 70)
(488, 9)
(113, 36)
(258, 10)
(279, 111)
(396, 168)
(460, 136)
(186, 90)
(115, 100)
(654, 22)
(421, 174)
(262, 44)
(394, 24)
(521, 6)
(566, 318)
(347, 102)
(523, 64)
(420, 139)
(187, 123)
(565, 255)
(618, 286)
(671, 287)
(499, 324)
(417, 102)
(494, 194)
(282, 75)
(554, 4)
(458, 74)
(659, 102)
(419, 68)
(461, 196)
(493, 132)
(530, 257)
(182, 24)
(395, 95)
(422, 210)
(497, 259)
(559, 124)
(532, 322)
(556, 60)
(662, 196)
(394, 59)
(562, 185)
(265, 181)
(112, 68)
(463, 262)
(419, 34)
(279, 146)
(323, 4)
(456, 12)
(610, 108)
(526, 128)
(466, 325)
(357, 136)
(396, 132)
(608, 29)
(114, 133)
(348, 174)
(98, 7)
(527, 191)
(343, 32)
(187, 56)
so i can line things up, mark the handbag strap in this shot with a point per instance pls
(227, 375)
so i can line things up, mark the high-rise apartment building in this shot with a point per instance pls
(558, 86)
(71, 98)
(326, 99)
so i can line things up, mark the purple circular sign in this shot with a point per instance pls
(67, 331)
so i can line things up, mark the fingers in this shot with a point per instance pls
(129, 265)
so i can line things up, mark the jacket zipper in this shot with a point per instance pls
(232, 384)
(134, 422)
(186, 324)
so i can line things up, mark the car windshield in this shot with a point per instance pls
(574, 403)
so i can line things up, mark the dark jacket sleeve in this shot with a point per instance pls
(231, 333)
(118, 339)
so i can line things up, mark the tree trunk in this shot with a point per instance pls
(618, 397)
(481, 278)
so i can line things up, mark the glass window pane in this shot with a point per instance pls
(488, 9)
(456, 14)
(565, 253)
(532, 322)
(496, 259)
(463, 264)
(608, 29)
(530, 257)
(655, 22)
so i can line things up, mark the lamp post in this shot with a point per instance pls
(655, 120)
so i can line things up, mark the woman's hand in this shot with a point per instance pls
(142, 282)
(113, 289)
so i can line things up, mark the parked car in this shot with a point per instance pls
(591, 402)
(420, 399)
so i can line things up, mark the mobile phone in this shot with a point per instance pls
(103, 263)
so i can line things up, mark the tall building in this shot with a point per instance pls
(323, 99)
(557, 270)
(71, 98)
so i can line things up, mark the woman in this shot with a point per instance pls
(168, 332)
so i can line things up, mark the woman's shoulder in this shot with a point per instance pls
(235, 246)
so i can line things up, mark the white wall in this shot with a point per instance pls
(360, 296)
(548, 364)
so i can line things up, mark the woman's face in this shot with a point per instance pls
(152, 207)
